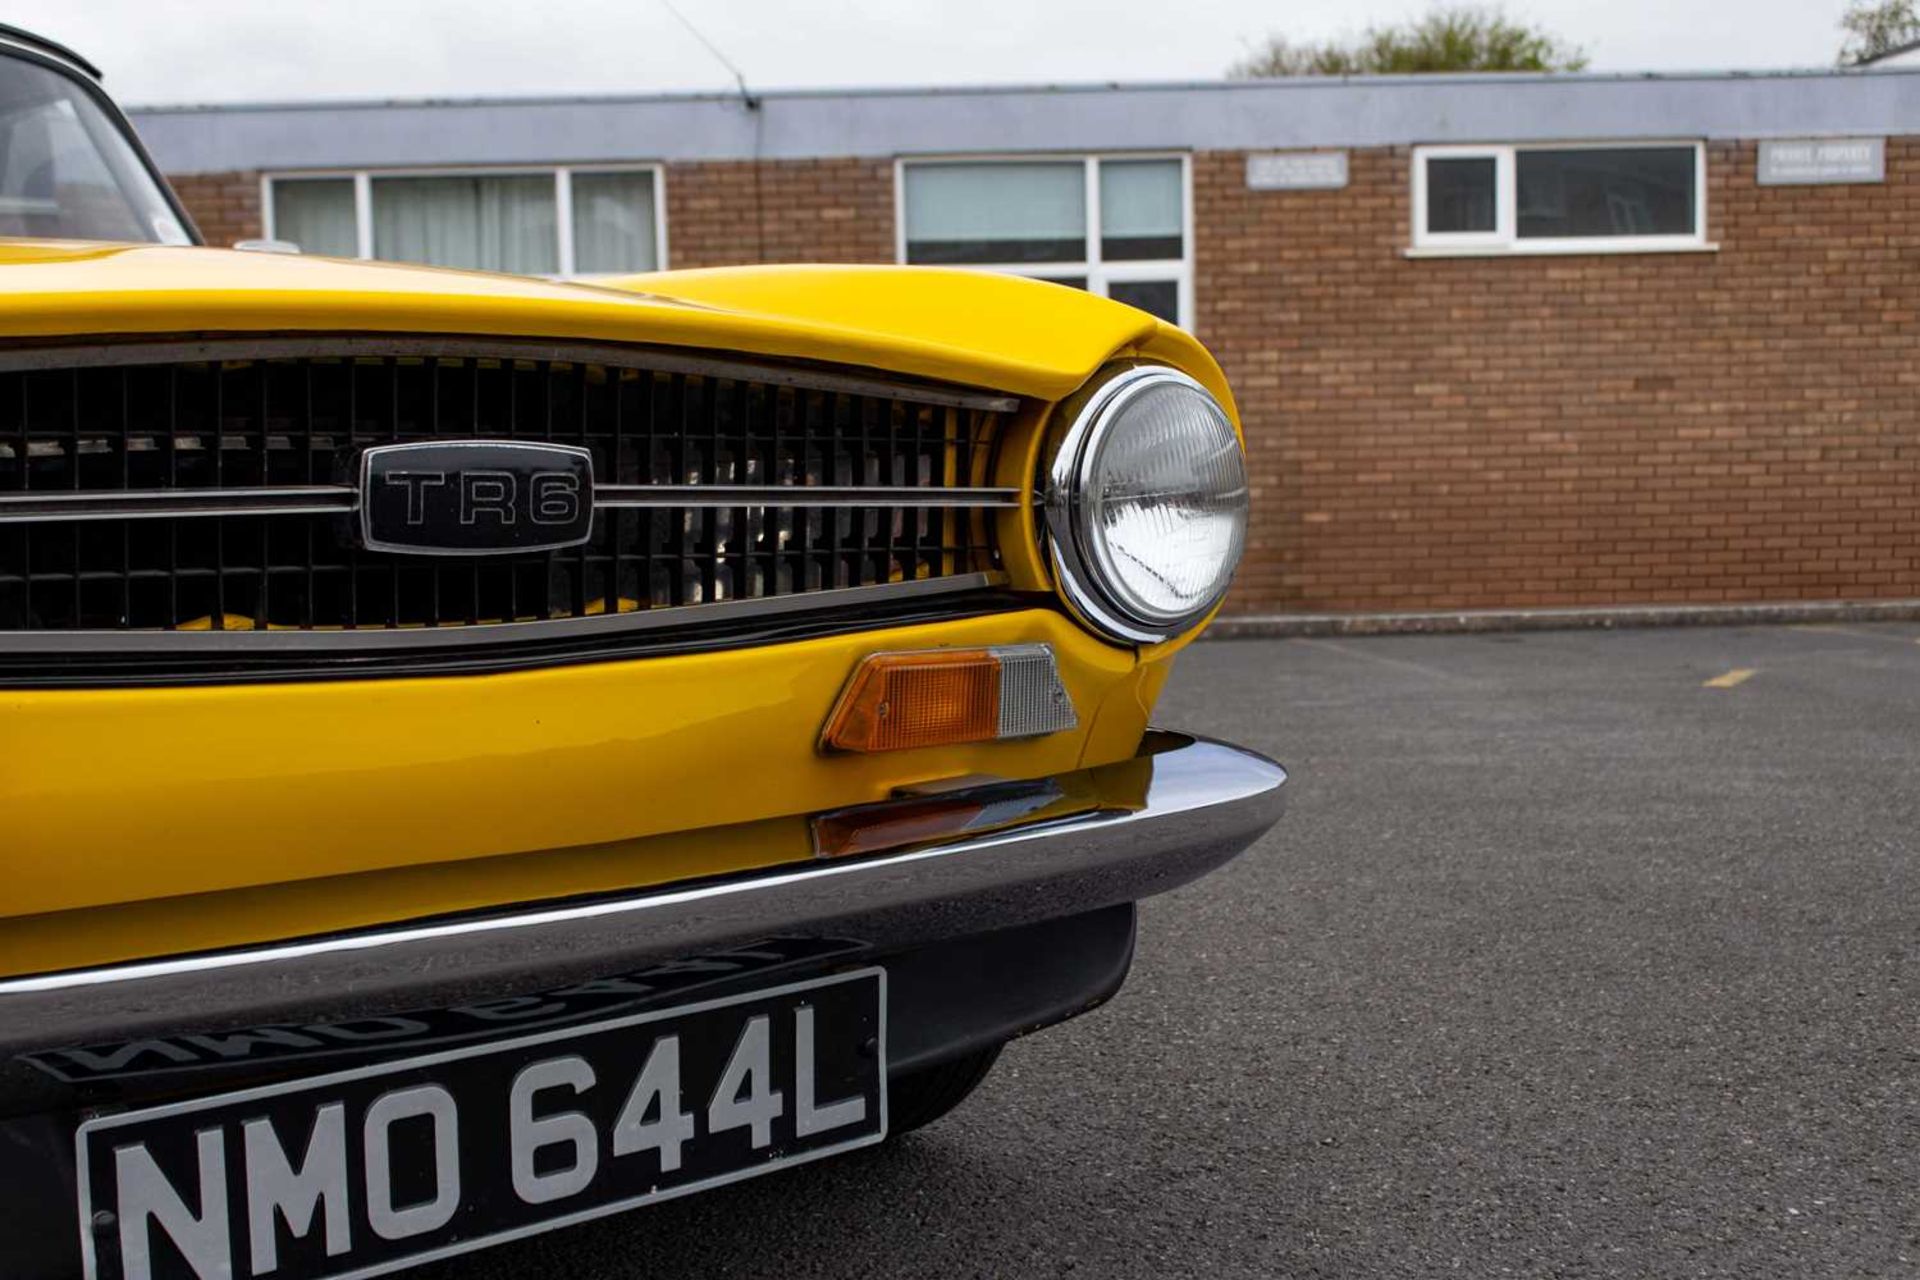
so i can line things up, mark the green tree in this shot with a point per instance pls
(1453, 38)
(1877, 27)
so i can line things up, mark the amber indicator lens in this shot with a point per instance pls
(938, 697)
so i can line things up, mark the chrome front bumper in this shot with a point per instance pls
(1191, 805)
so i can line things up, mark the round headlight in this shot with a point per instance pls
(1147, 505)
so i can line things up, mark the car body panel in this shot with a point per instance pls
(124, 794)
(951, 308)
(974, 857)
(1013, 335)
(111, 788)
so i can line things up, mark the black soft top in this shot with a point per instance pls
(20, 36)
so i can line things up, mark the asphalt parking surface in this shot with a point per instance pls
(1563, 963)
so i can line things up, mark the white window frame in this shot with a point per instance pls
(1099, 274)
(1505, 237)
(562, 203)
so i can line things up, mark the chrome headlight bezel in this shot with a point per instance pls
(1073, 547)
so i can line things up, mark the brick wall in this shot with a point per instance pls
(226, 205)
(1476, 432)
(1473, 432)
(796, 211)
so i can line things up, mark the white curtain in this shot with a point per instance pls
(997, 202)
(1139, 198)
(496, 223)
(613, 223)
(316, 214)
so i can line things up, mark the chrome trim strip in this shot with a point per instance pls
(154, 504)
(655, 359)
(324, 499)
(796, 496)
(1203, 802)
(451, 636)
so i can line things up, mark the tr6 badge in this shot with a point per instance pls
(475, 497)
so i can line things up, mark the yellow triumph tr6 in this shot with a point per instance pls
(481, 754)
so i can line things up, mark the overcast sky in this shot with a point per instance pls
(173, 51)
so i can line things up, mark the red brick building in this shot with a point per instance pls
(1498, 341)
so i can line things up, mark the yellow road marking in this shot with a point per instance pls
(1739, 675)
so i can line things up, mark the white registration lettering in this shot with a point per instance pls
(144, 1194)
(656, 1089)
(276, 1188)
(809, 1118)
(570, 1128)
(749, 1070)
(391, 1222)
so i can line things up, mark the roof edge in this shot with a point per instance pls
(1515, 79)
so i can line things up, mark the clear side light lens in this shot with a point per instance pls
(1147, 505)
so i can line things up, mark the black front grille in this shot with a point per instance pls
(231, 421)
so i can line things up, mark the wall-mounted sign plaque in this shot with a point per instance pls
(1296, 170)
(1807, 161)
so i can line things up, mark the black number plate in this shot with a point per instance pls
(364, 1172)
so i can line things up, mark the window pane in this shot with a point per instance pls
(1160, 297)
(1460, 194)
(1008, 212)
(489, 223)
(316, 214)
(65, 171)
(1606, 191)
(1140, 209)
(613, 222)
